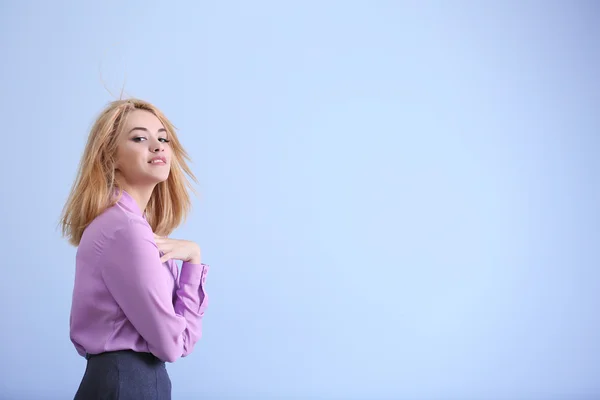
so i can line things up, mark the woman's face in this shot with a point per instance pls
(143, 150)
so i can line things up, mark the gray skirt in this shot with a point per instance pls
(124, 375)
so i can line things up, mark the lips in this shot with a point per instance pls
(158, 161)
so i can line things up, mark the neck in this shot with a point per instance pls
(141, 195)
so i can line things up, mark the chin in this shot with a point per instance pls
(162, 179)
(156, 179)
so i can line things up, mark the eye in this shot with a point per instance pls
(138, 139)
(164, 140)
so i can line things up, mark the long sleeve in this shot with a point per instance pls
(80, 350)
(143, 288)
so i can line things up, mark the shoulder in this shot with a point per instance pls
(116, 224)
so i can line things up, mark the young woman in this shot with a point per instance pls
(132, 310)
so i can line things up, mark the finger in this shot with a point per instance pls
(165, 258)
(165, 248)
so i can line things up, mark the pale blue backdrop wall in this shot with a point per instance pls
(399, 200)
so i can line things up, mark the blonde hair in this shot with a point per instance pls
(93, 190)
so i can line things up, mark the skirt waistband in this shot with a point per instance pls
(148, 357)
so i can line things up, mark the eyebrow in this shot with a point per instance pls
(141, 128)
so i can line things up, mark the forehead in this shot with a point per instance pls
(142, 119)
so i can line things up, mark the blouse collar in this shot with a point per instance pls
(128, 202)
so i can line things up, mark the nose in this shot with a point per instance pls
(156, 146)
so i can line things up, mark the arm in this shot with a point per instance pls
(143, 288)
(80, 350)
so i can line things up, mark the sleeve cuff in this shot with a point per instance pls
(194, 274)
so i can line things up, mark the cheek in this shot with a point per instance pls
(169, 152)
(126, 157)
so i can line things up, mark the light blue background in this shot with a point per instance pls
(399, 200)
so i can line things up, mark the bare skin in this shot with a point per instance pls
(144, 160)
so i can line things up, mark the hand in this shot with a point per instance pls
(175, 249)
